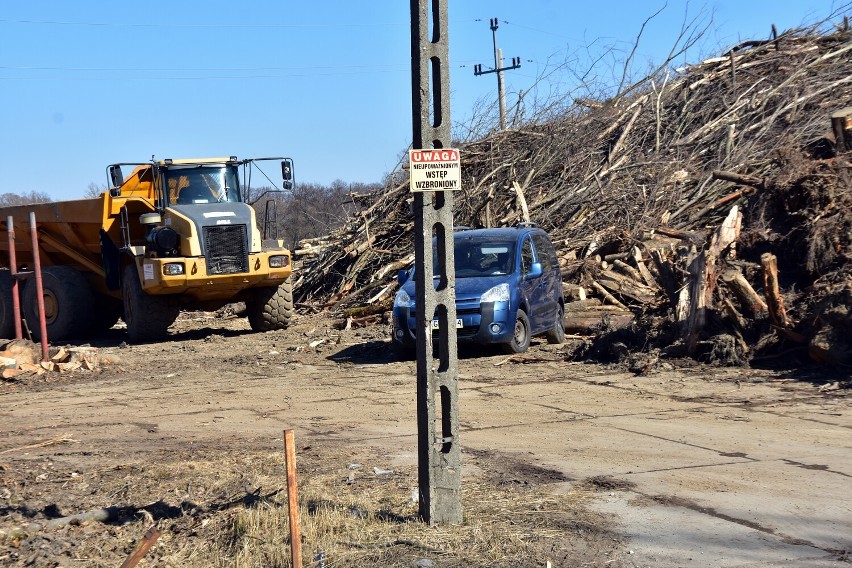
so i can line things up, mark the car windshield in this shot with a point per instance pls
(202, 184)
(481, 258)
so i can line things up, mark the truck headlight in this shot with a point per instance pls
(173, 269)
(282, 261)
(403, 300)
(499, 293)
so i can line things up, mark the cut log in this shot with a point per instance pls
(732, 313)
(777, 311)
(606, 295)
(841, 125)
(628, 270)
(647, 277)
(582, 304)
(627, 287)
(573, 292)
(727, 234)
(697, 315)
(750, 300)
(585, 323)
(756, 182)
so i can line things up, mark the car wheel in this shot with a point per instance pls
(521, 337)
(556, 334)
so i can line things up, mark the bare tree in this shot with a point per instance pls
(26, 198)
(94, 190)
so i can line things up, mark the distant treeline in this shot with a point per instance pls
(309, 210)
(26, 198)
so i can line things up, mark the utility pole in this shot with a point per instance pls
(498, 68)
(438, 445)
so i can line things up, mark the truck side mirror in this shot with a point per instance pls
(115, 175)
(287, 173)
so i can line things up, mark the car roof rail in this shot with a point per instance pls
(525, 224)
(460, 228)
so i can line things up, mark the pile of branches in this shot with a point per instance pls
(636, 193)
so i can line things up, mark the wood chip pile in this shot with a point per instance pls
(709, 213)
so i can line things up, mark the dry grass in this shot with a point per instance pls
(358, 518)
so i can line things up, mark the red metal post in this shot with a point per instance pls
(45, 355)
(13, 270)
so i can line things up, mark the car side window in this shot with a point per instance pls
(546, 253)
(541, 251)
(526, 256)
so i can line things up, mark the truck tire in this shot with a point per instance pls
(68, 304)
(7, 315)
(107, 312)
(148, 317)
(270, 307)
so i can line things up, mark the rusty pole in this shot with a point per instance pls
(293, 499)
(13, 270)
(45, 355)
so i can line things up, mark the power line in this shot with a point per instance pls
(179, 25)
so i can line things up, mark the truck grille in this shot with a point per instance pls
(226, 249)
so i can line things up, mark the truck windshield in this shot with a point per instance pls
(481, 258)
(202, 184)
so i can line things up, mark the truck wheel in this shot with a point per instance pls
(556, 334)
(68, 304)
(7, 315)
(107, 312)
(521, 337)
(270, 307)
(148, 317)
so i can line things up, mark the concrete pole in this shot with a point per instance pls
(438, 445)
(498, 65)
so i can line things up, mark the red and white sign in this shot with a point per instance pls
(434, 170)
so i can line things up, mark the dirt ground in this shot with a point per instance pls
(564, 462)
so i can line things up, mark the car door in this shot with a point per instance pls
(528, 286)
(549, 284)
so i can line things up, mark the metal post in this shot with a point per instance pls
(439, 453)
(45, 355)
(13, 270)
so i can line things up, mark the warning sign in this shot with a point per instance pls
(434, 170)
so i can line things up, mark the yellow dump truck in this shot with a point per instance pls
(175, 234)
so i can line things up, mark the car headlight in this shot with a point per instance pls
(499, 293)
(403, 300)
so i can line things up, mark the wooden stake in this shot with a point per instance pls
(293, 499)
(150, 537)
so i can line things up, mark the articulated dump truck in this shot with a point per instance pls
(176, 234)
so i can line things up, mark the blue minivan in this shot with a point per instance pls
(508, 289)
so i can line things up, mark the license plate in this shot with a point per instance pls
(459, 324)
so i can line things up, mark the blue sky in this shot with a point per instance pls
(88, 83)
